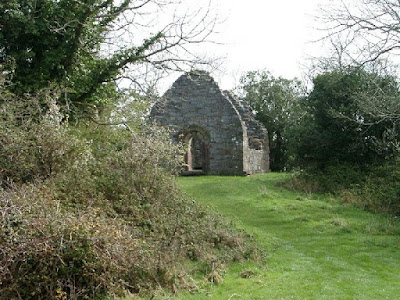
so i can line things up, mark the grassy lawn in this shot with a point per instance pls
(316, 248)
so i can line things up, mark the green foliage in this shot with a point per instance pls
(34, 141)
(379, 191)
(95, 211)
(375, 187)
(59, 43)
(331, 179)
(336, 130)
(86, 47)
(276, 102)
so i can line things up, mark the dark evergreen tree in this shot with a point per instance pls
(336, 129)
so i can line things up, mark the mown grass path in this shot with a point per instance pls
(316, 247)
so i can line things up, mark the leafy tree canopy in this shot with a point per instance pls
(277, 106)
(337, 129)
(84, 46)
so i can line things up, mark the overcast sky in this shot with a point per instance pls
(261, 34)
(258, 34)
(275, 35)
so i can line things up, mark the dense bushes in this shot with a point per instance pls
(34, 142)
(375, 187)
(337, 129)
(95, 211)
(345, 144)
(49, 251)
(379, 190)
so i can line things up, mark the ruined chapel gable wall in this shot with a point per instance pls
(196, 100)
(257, 155)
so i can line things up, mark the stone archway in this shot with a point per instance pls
(197, 142)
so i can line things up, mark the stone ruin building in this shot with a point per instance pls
(220, 132)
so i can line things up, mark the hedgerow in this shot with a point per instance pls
(375, 188)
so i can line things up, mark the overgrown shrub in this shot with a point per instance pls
(49, 251)
(96, 211)
(333, 178)
(375, 188)
(34, 140)
(379, 191)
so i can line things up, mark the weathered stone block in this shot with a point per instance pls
(220, 133)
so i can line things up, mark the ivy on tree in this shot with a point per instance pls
(78, 44)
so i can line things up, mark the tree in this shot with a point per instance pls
(85, 46)
(371, 26)
(276, 104)
(337, 130)
(366, 33)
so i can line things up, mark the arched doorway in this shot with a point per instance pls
(197, 158)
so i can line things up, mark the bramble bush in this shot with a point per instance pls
(379, 191)
(94, 211)
(34, 141)
(375, 188)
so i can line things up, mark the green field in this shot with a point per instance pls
(316, 247)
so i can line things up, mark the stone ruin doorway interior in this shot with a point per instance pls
(197, 158)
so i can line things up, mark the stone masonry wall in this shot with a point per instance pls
(257, 149)
(196, 101)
